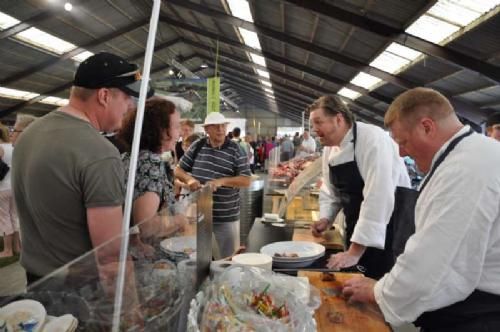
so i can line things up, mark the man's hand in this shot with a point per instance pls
(347, 259)
(341, 260)
(193, 184)
(215, 184)
(359, 289)
(319, 227)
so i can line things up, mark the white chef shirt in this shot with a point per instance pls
(310, 146)
(456, 246)
(381, 168)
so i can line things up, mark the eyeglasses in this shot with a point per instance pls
(12, 130)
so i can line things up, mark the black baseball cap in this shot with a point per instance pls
(106, 70)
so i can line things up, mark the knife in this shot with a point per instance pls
(351, 269)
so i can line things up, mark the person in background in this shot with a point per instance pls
(154, 180)
(286, 148)
(22, 122)
(296, 143)
(236, 138)
(9, 225)
(448, 277)
(67, 179)
(268, 146)
(251, 153)
(361, 180)
(493, 126)
(308, 145)
(187, 129)
(220, 164)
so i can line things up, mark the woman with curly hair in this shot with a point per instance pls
(154, 181)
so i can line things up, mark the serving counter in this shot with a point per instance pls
(334, 313)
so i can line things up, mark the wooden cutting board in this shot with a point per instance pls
(354, 317)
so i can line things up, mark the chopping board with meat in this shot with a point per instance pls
(337, 315)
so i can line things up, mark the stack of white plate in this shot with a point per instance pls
(181, 247)
(254, 259)
(23, 312)
(307, 253)
(65, 323)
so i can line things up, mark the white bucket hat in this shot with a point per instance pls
(215, 118)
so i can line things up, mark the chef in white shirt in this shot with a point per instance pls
(361, 177)
(308, 145)
(448, 277)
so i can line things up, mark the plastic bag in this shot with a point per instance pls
(252, 299)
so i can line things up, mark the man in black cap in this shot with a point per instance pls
(493, 126)
(67, 178)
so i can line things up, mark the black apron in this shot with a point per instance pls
(349, 184)
(480, 311)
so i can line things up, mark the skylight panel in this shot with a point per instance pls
(17, 94)
(266, 83)
(258, 59)
(432, 29)
(482, 6)
(240, 9)
(453, 11)
(389, 62)
(263, 73)
(250, 38)
(7, 21)
(348, 93)
(44, 40)
(82, 56)
(54, 101)
(365, 80)
(403, 51)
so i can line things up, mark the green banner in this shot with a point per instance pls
(213, 95)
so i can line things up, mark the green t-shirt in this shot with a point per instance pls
(61, 166)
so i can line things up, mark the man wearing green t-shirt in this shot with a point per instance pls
(67, 178)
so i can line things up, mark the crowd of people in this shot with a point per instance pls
(68, 183)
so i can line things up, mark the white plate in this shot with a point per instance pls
(180, 245)
(65, 323)
(23, 310)
(305, 250)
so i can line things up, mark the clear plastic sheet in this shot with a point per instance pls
(155, 288)
(228, 303)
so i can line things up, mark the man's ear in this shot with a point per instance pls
(428, 125)
(103, 96)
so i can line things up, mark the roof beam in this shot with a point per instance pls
(280, 36)
(253, 98)
(288, 62)
(400, 36)
(285, 76)
(72, 53)
(292, 104)
(28, 23)
(67, 85)
(284, 88)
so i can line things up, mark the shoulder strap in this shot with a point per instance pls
(198, 147)
(440, 159)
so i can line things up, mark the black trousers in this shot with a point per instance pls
(482, 324)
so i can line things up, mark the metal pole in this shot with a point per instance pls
(303, 121)
(153, 24)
